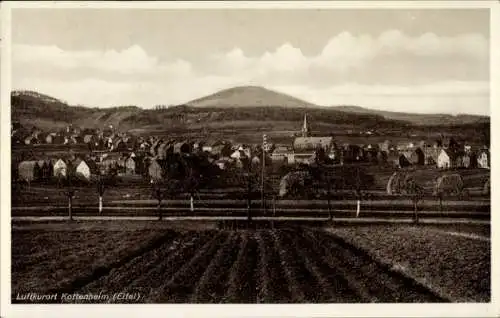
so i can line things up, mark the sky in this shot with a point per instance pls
(422, 61)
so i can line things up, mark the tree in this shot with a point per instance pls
(252, 181)
(296, 184)
(158, 194)
(322, 175)
(171, 181)
(198, 173)
(448, 185)
(104, 180)
(416, 193)
(66, 181)
(162, 190)
(361, 181)
(354, 179)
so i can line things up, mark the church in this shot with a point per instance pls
(305, 146)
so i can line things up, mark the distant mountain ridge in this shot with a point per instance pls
(417, 118)
(243, 107)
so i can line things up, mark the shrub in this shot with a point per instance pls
(449, 184)
(486, 187)
(295, 183)
(397, 182)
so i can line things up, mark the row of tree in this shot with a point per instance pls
(189, 173)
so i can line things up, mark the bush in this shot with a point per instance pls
(486, 187)
(449, 184)
(296, 183)
(397, 182)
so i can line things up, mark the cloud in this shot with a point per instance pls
(391, 71)
(345, 51)
(133, 60)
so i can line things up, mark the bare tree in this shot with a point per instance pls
(198, 173)
(416, 193)
(158, 193)
(323, 175)
(65, 181)
(252, 182)
(104, 180)
(448, 185)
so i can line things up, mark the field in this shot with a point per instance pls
(163, 262)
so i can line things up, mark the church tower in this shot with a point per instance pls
(305, 127)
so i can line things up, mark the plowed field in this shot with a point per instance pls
(207, 266)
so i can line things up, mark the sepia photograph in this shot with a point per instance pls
(231, 154)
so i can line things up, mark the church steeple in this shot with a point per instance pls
(305, 127)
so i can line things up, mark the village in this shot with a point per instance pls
(108, 150)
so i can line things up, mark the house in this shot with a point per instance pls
(206, 148)
(120, 162)
(154, 147)
(142, 164)
(222, 163)
(381, 157)
(415, 156)
(351, 153)
(164, 149)
(333, 154)
(82, 170)
(238, 154)
(31, 140)
(198, 146)
(450, 143)
(119, 145)
(448, 159)
(60, 168)
(144, 145)
(29, 171)
(182, 147)
(130, 165)
(312, 143)
(155, 171)
(221, 150)
(371, 154)
(50, 138)
(131, 142)
(304, 148)
(302, 157)
(89, 139)
(108, 164)
(431, 155)
(247, 150)
(403, 161)
(385, 146)
(465, 160)
(57, 139)
(281, 154)
(483, 159)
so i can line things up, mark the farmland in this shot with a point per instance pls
(194, 262)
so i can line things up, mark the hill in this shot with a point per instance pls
(249, 96)
(226, 115)
(46, 112)
(418, 119)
